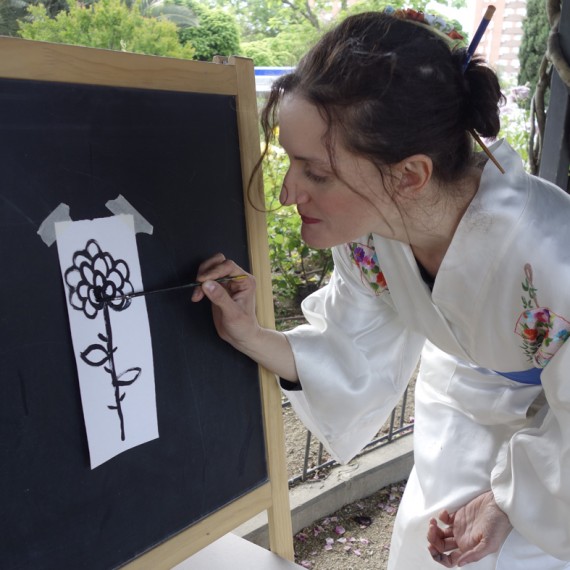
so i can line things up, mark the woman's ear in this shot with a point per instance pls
(415, 173)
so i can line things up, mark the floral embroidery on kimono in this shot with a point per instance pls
(542, 330)
(365, 258)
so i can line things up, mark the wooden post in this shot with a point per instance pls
(555, 158)
(280, 526)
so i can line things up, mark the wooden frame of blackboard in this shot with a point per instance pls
(39, 61)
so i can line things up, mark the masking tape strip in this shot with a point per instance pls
(120, 205)
(47, 227)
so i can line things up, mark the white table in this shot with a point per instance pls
(232, 552)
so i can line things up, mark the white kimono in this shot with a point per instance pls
(500, 305)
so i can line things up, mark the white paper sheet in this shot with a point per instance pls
(111, 340)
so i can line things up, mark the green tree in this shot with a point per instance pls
(108, 24)
(216, 33)
(182, 16)
(260, 19)
(285, 49)
(13, 10)
(533, 44)
(378, 5)
(53, 7)
(10, 12)
(263, 54)
(279, 32)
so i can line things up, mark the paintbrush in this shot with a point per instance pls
(175, 288)
(468, 55)
(478, 35)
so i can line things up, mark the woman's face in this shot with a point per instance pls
(333, 209)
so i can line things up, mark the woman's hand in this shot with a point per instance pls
(473, 532)
(233, 302)
(233, 309)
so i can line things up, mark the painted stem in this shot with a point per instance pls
(112, 370)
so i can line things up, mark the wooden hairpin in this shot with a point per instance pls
(486, 150)
(469, 54)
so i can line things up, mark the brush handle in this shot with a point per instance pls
(478, 35)
(175, 288)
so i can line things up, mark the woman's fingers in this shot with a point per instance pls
(441, 539)
(442, 544)
(233, 309)
(446, 518)
(220, 297)
(446, 560)
(218, 266)
(211, 263)
(215, 267)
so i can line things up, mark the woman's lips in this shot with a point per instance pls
(307, 220)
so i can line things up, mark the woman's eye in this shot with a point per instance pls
(315, 177)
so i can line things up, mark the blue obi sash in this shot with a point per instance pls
(531, 376)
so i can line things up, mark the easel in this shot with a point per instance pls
(27, 60)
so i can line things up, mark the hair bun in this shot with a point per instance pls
(482, 96)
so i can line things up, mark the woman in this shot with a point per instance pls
(436, 252)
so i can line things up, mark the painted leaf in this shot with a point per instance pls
(95, 355)
(128, 376)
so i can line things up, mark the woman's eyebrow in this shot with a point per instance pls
(312, 159)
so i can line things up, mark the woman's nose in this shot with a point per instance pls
(291, 193)
(285, 196)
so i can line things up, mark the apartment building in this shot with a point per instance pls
(501, 42)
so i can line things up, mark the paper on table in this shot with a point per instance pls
(111, 340)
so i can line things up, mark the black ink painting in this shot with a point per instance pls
(97, 284)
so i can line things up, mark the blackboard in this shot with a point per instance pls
(175, 156)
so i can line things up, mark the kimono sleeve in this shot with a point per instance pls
(354, 360)
(531, 483)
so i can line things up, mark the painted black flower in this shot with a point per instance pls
(96, 279)
(97, 282)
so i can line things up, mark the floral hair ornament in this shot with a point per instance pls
(438, 24)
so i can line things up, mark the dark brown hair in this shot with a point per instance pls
(389, 89)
